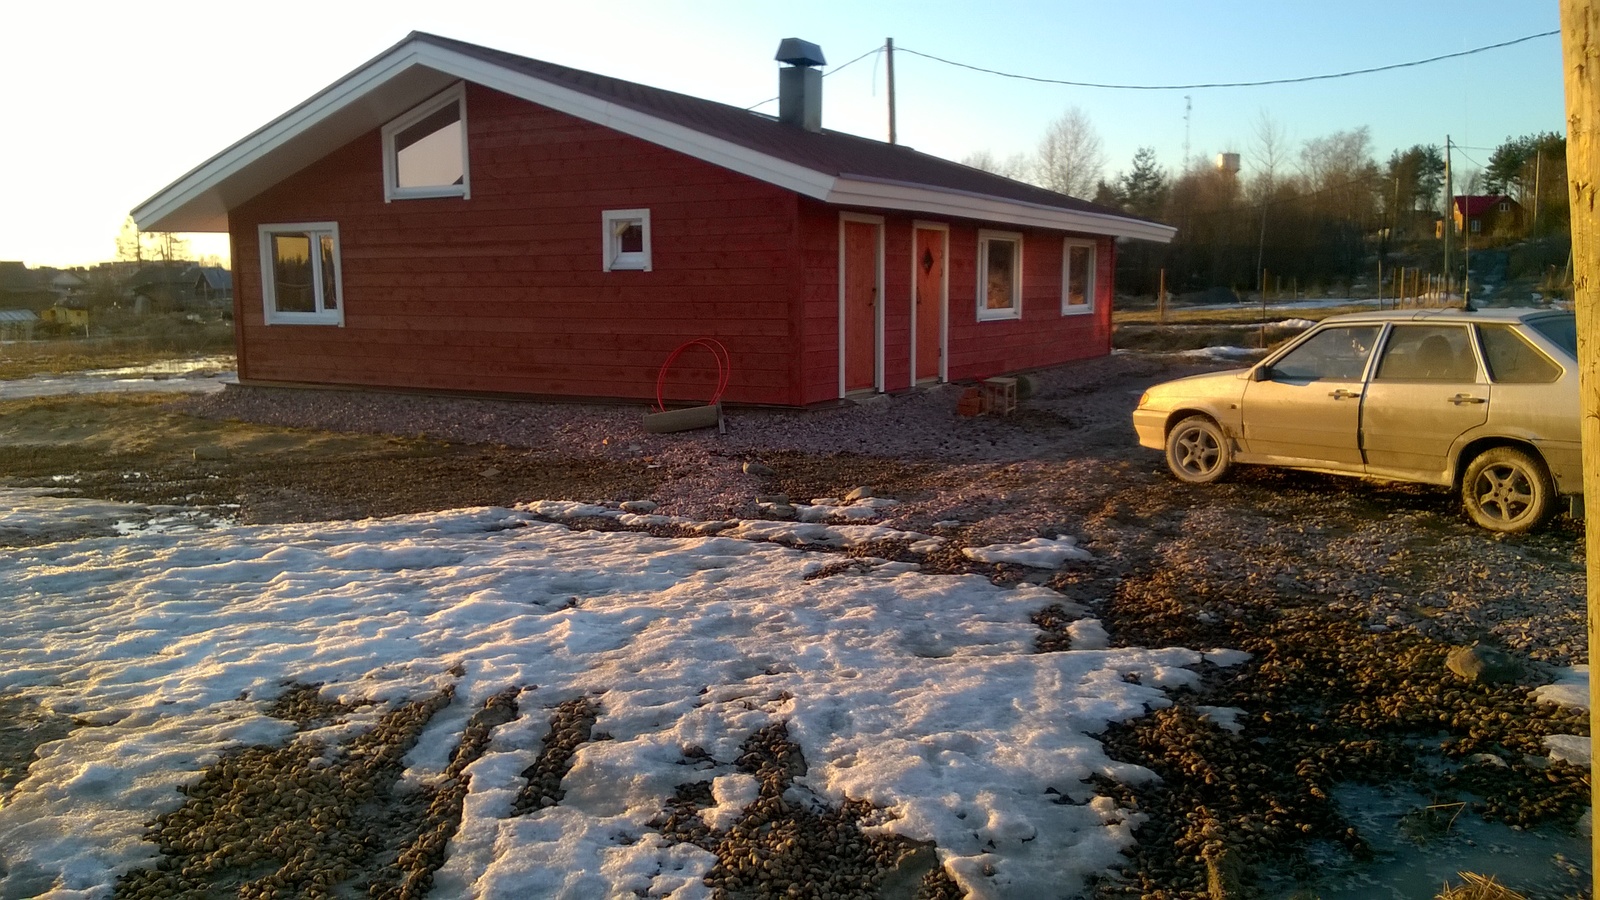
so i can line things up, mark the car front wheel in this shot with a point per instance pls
(1197, 451)
(1507, 490)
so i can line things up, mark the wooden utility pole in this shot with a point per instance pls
(889, 45)
(1580, 47)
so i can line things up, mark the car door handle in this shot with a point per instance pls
(1466, 398)
(1342, 394)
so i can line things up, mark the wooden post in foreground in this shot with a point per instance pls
(1580, 49)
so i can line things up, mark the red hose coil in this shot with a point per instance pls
(724, 369)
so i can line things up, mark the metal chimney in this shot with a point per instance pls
(800, 84)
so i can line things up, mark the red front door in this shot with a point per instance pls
(860, 298)
(929, 252)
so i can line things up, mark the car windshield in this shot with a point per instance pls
(1560, 330)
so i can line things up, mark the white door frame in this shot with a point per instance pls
(877, 299)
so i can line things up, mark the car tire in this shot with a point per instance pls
(1198, 451)
(1508, 490)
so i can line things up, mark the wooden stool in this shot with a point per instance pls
(1000, 396)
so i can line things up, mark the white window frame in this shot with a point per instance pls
(391, 167)
(985, 314)
(1093, 247)
(269, 300)
(612, 258)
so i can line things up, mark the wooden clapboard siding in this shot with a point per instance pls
(1043, 336)
(504, 293)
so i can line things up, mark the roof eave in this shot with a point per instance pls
(919, 198)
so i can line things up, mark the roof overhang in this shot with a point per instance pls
(416, 69)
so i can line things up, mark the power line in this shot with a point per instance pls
(838, 68)
(1228, 84)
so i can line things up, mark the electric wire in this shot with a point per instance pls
(1230, 84)
(839, 68)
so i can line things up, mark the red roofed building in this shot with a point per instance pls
(1483, 214)
(449, 217)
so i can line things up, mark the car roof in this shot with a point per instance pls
(1495, 314)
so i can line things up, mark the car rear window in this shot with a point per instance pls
(1561, 330)
(1512, 360)
(1428, 353)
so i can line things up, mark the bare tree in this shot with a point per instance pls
(1268, 155)
(1070, 157)
(1016, 166)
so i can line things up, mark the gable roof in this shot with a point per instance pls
(1477, 204)
(830, 166)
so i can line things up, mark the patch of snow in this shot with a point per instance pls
(1572, 748)
(919, 693)
(1571, 688)
(1041, 553)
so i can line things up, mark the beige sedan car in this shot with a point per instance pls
(1482, 401)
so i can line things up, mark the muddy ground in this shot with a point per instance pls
(1347, 594)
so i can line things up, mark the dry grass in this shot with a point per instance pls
(1478, 887)
(160, 340)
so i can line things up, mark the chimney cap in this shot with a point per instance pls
(800, 53)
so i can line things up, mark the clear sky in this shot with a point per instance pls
(107, 103)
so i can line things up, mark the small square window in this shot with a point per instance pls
(425, 150)
(999, 275)
(300, 274)
(1077, 278)
(625, 240)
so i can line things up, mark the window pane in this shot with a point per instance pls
(428, 154)
(630, 237)
(1002, 277)
(330, 281)
(293, 289)
(1080, 262)
(1559, 330)
(1513, 360)
(1335, 354)
(1428, 353)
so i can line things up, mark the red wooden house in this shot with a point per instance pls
(453, 218)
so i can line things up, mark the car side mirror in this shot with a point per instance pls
(1261, 373)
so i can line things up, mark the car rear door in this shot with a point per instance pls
(1305, 409)
(1427, 389)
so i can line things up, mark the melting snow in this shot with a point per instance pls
(919, 693)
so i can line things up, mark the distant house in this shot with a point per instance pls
(17, 324)
(178, 287)
(67, 314)
(1483, 214)
(213, 286)
(453, 218)
(22, 287)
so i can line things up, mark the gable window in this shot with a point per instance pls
(999, 275)
(300, 274)
(625, 240)
(1077, 278)
(425, 150)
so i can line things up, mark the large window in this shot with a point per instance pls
(425, 150)
(999, 275)
(300, 274)
(625, 239)
(1077, 278)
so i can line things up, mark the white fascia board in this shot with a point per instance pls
(671, 135)
(209, 176)
(858, 191)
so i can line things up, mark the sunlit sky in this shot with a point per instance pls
(107, 103)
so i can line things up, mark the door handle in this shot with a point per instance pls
(1342, 394)
(1466, 398)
